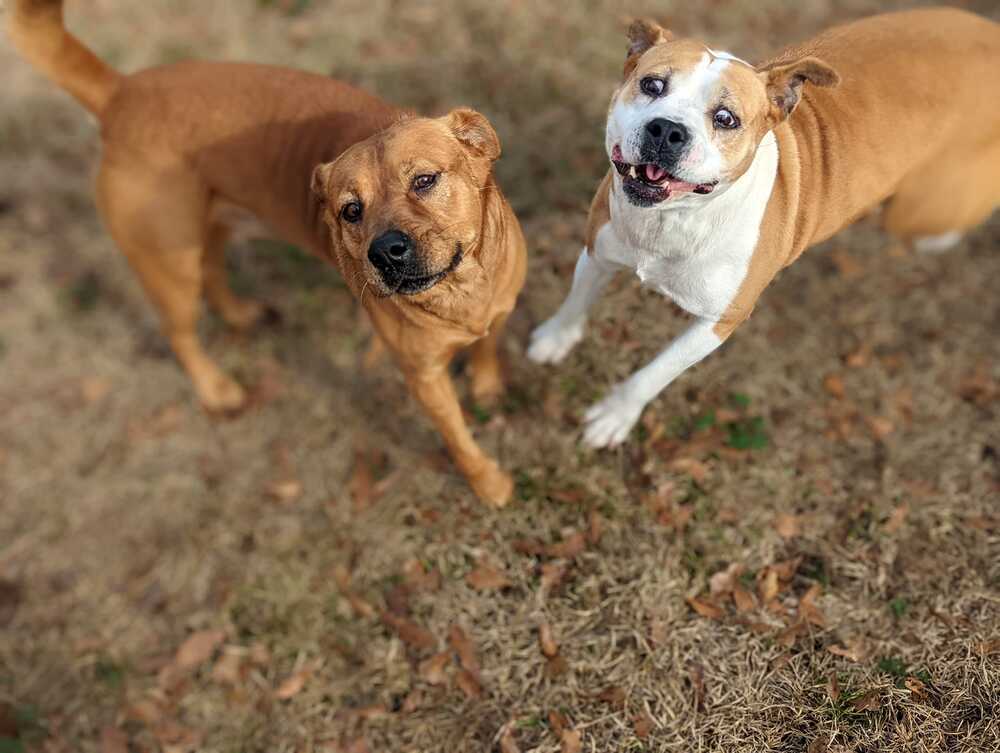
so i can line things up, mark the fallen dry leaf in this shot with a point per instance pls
(572, 741)
(642, 725)
(465, 649)
(853, 653)
(486, 578)
(469, 684)
(786, 570)
(113, 740)
(198, 647)
(571, 546)
(409, 632)
(558, 722)
(743, 599)
(343, 580)
(916, 687)
(870, 701)
(833, 687)
(553, 574)
(808, 609)
(94, 389)
(896, 519)
(546, 640)
(705, 608)
(228, 668)
(595, 528)
(294, 683)
(790, 634)
(880, 427)
(507, 742)
(696, 674)
(613, 695)
(285, 492)
(696, 469)
(433, 671)
(768, 587)
(834, 385)
(847, 266)
(724, 581)
(555, 666)
(859, 358)
(787, 525)
(418, 578)
(147, 711)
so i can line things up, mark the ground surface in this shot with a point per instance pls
(315, 577)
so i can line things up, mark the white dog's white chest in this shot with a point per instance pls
(698, 251)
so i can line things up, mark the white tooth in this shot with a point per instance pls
(632, 171)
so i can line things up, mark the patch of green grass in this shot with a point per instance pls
(530, 722)
(739, 400)
(705, 420)
(10, 745)
(481, 414)
(814, 568)
(748, 434)
(892, 665)
(525, 486)
(110, 673)
(84, 293)
(899, 606)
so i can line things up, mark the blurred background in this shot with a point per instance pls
(798, 550)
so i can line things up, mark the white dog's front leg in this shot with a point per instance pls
(552, 341)
(610, 421)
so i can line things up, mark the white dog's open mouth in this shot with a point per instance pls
(654, 182)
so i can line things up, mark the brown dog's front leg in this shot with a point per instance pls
(487, 375)
(433, 388)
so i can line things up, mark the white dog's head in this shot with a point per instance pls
(687, 120)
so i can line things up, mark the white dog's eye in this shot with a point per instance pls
(725, 119)
(423, 182)
(653, 86)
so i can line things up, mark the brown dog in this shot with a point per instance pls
(408, 211)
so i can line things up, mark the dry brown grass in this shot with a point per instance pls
(131, 521)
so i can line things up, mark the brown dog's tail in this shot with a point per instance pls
(36, 28)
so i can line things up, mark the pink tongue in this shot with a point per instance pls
(654, 173)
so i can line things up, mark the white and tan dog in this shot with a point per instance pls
(724, 173)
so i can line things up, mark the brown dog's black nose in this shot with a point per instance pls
(391, 253)
(666, 137)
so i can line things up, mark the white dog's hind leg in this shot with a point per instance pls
(937, 244)
(552, 341)
(609, 421)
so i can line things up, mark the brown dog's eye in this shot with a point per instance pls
(423, 182)
(352, 211)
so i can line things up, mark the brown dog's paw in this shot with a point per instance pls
(492, 486)
(223, 396)
(487, 389)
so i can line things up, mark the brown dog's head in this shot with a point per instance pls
(687, 120)
(405, 206)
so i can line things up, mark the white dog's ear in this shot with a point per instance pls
(475, 132)
(643, 34)
(784, 80)
(320, 177)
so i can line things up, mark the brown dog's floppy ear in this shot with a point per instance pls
(320, 176)
(475, 132)
(784, 82)
(642, 35)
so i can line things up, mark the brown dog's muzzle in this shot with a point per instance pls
(397, 259)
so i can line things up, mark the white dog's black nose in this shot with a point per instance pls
(666, 137)
(391, 250)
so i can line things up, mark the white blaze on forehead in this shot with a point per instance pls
(727, 56)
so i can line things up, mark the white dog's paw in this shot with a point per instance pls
(551, 342)
(610, 421)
